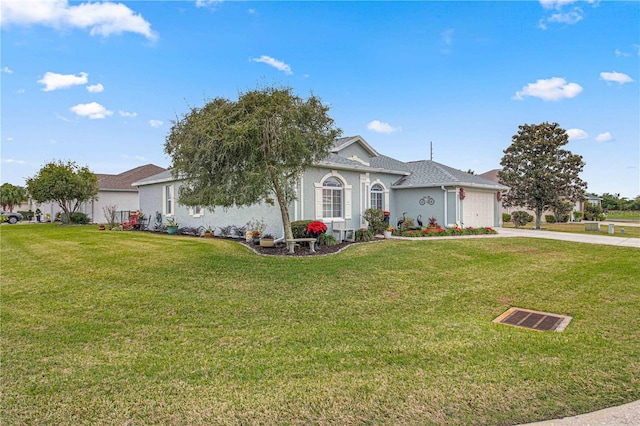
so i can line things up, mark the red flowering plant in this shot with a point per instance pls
(316, 228)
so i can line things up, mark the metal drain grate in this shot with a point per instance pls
(533, 320)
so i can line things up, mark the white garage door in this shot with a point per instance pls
(478, 209)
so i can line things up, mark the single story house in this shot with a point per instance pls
(338, 190)
(117, 190)
(492, 175)
(113, 190)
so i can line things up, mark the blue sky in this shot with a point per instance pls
(99, 83)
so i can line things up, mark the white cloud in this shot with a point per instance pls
(92, 110)
(96, 88)
(381, 127)
(60, 117)
(555, 4)
(570, 18)
(279, 65)
(603, 137)
(208, 3)
(620, 53)
(617, 77)
(7, 70)
(127, 114)
(101, 18)
(447, 36)
(12, 161)
(577, 134)
(9, 138)
(53, 81)
(155, 123)
(552, 89)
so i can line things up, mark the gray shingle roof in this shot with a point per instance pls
(423, 173)
(427, 173)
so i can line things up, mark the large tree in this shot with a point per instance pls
(11, 196)
(539, 172)
(64, 183)
(239, 153)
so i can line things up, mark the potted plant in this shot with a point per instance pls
(254, 225)
(172, 226)
(101, 228)
(433, 223)
(388, 232)
(208, 231)
(255, 237)
(267, 240)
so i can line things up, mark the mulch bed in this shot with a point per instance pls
(281, 250)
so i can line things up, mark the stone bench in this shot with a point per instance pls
(312, 243)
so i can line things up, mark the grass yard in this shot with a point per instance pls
(139, 328)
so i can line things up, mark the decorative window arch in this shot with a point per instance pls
(377, 196)
(333, 197)
(379, 191)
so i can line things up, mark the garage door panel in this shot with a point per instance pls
(478, 209)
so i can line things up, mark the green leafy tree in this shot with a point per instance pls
(11, 196)
(561, 209)
(539, 171)
(64, 183)
(239, 153)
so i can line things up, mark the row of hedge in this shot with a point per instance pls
(442, 232)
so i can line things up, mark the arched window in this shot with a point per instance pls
(377, 197)
(332, 195)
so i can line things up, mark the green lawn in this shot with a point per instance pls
(138, 328)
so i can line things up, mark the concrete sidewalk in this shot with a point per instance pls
(567, 236)
(623, 415)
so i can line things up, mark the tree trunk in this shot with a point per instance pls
(284, 212)
(538, 218)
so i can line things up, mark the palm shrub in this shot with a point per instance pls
(375, 219)
(327, 240)
(506, 217)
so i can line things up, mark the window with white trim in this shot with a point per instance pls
(196, 211)
(168, 200)
(332, 196)
(377, 197)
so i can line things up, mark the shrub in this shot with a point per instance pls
(577, 216)
(364, 235)
(375, 219)
(28, 215)
(299, 228)
(592, 211)
(327, 240)
(407, 224)
(506, 218)
(550, 218)
(77, 218)
(520, 218)
(530, 218)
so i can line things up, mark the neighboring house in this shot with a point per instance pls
(113, 190)
(492, 175)
(117, 190)
(338, 190)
